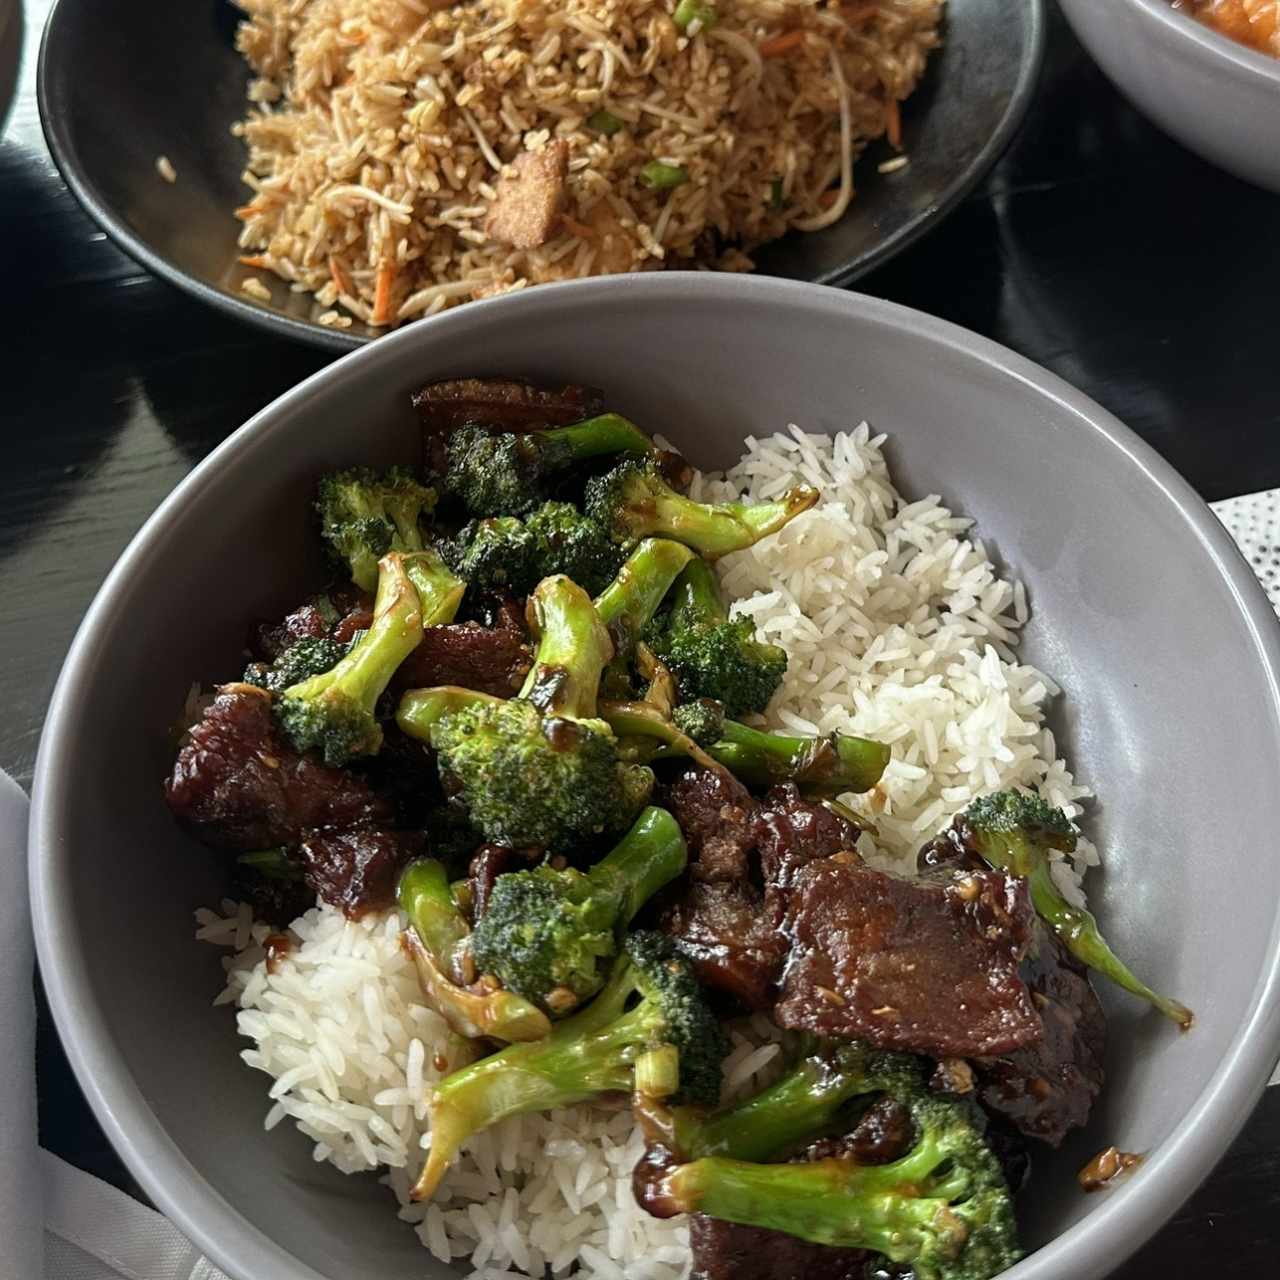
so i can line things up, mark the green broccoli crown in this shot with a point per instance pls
(494, 472)
(495, 554)
(574, 545)
(725, 661)
(306, 658)
(544, 934)
(617, 500)
(701, 720)
(365, 513)
(334, 712)
(943, 1208)
(676, 1012)
(1019, 814)
(527, 780)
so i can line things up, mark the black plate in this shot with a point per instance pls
(122, 82)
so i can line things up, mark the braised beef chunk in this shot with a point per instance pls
(491, 659)
(716, 814)
(884, 1133)
(355, 871)
(238, 786)
(487, 863)
(915, 966)
(791, 832)
(1048, 1088)
(508, 403)
(727, 1251)
(337, 615)
(730, 935)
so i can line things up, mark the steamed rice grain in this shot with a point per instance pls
(898, 627)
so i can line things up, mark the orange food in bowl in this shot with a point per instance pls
(1252, 22)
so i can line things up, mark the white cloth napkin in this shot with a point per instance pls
(94, 1232)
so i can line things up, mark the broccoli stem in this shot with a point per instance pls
(1079, 931)
(589, 1053)
(420, 709)
(714, 530)
(437, 941)
(439, 592)
(573, 650)
(831, 765)
(696, 596)
(830, 1202)
(607, 433)
(425, 896)
(628, 603)
(648, 857)
(335, 710)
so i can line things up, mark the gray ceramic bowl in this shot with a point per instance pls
(1143, 609)
(1215, 96)
(124, 81)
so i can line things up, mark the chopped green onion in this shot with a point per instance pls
(775, 194)
(271, 864)
(690, 11)
(605, 122)
(662, 177)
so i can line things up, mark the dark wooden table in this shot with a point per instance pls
(1097, 247)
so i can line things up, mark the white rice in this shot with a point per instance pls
(899, 628)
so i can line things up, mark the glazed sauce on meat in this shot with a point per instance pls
(1255, 23)
(1105, 1167)
(277, 947)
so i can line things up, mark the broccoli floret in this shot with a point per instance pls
(550, 933)
(944, 1208)
(539, 769)
(308, 657)
(712, 655)
(334, 712)
(633, 501)
(833, 765)
(508, 553)
(497, 554)
(702, 720)
(366, 513)
(572, 544)
(439, 940)
(501, 473)
(1017, 831)
(650, 1027)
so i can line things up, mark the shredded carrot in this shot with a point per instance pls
(338, 276)
(893, 124)
(246, 211)
(778, 46)
(255, 260)
(576, 228)
(828, 198)
(382, 294)
(353, 37)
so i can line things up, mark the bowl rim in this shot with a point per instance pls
(1087, 1250)
(58, 137)
(1183, 26)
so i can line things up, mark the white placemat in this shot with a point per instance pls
(1254, 522)
(94, 1232)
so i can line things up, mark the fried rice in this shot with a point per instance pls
(383, 135)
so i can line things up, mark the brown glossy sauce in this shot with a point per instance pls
(1105, 1167)
(277, 946)
(1255, 23)
(650, 1183)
